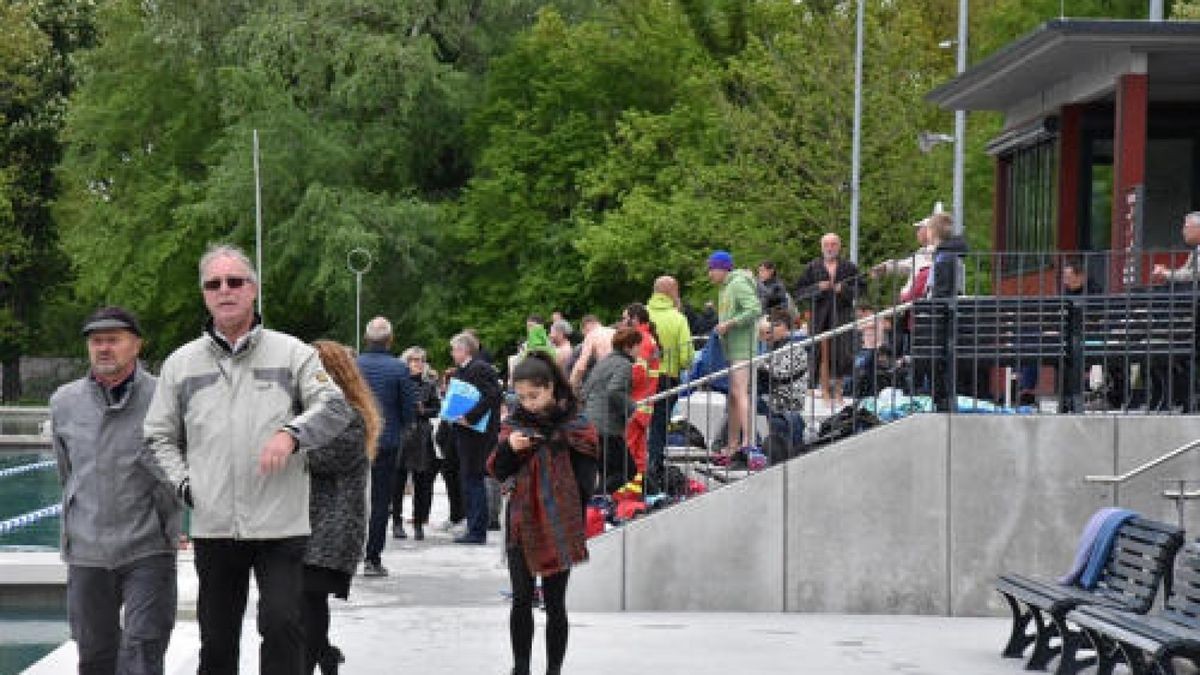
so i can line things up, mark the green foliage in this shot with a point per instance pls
(37, 39)
(496, 158)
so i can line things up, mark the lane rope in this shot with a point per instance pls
(26, 519)
(26, 468)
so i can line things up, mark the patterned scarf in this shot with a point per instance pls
(545, 510)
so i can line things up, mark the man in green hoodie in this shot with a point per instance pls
(737, 312)
(675, 342)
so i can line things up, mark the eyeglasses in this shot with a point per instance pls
(232, 283)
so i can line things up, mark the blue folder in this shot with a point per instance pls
(461, 397)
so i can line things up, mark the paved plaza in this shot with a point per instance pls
(443, 610)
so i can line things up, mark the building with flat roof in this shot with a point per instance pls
(1100, 148)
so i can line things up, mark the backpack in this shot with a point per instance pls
(845, 423)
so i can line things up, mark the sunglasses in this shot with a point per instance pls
(233, 283)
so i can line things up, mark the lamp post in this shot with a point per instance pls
(856, 152)
(960, 122)
(358, 261)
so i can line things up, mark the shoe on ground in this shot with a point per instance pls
(459, 529)
(374, 569)
(468, 539)
(494, 526)
(418, 533)
(448, 526)
(398, 532)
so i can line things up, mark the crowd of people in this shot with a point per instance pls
(293, 458)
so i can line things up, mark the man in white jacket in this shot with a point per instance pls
(234, 412)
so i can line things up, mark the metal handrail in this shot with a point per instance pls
(1117, 480)
(799, 344)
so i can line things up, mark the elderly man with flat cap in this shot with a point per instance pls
(120, 523)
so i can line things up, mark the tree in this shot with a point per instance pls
(37, 63)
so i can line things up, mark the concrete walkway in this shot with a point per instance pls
(442, 610)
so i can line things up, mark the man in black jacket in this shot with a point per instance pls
(473, 446)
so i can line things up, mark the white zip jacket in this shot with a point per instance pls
(213, 412)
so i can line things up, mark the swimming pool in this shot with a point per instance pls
(29, 491)
(28, 630)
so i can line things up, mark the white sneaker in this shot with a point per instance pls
(459, 529)
(447, 526)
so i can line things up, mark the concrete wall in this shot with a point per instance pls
(917, 517)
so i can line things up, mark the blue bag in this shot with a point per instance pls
(711, 360)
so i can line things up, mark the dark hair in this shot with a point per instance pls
(779, 316)
(536, 318)
(625, 338)
(1073, 263)
(537, 368)
(638, 312)
(767, 265)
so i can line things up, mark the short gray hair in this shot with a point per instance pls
(1194, 216)
(227, 251)
(412, 353)
(466, 341)
(561, 326)
(379, 331)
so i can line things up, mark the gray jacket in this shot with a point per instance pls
(606, 393)
(117, 504)
(215, 410)
(338, 506)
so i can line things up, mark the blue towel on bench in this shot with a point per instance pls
(1095, 544)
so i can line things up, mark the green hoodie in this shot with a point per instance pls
(537, 341)
(739, 304)
(674, 336)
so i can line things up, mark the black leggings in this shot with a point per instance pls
(520, 618)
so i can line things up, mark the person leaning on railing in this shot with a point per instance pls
(1190, 271)
(829, 285)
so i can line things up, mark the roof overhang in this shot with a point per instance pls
(1053, 57)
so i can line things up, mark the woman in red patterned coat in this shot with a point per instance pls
(547, 455)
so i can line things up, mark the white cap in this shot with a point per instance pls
(938, 208)
(921, 223)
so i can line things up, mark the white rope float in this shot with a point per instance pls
(27, 519)
(26, 468)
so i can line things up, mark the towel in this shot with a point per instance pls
(1095, 544)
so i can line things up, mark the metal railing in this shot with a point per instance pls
(1144, 467)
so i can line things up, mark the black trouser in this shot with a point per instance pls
(474, 490)
(422, 496)
(520, 617)
(383, 471)
(618, 466)
(109, 643)
(316, 628)
(453, 483)
(223, 567)
(656, 441)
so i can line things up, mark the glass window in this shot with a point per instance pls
(1031, 232)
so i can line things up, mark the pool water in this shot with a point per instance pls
(28, 635)
(25, 492)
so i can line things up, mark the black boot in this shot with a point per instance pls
(330, 660)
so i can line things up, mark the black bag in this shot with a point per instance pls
(845, 423)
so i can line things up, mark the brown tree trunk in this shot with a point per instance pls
(11, 391)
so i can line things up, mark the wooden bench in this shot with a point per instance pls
(1148, 644)
(1141, 556)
